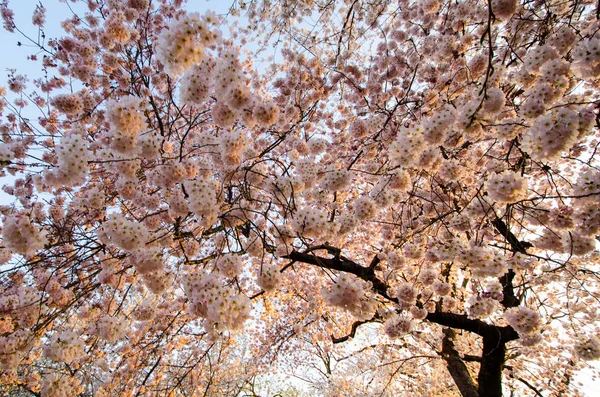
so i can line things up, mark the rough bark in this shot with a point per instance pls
(457, 367)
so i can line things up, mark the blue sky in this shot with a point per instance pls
(15, 56)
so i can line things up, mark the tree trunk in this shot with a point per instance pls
(456, 366)
(492, 362)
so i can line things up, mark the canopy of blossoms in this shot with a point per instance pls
(374, 197)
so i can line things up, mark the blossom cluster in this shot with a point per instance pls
(398, 325)
(148, 260)
(441, 288)
(552, 134)
(506, 187)
(364, 208)
(269, 277)
(265, 113)
(336, 180)
(589, 349)
(13, 348)
(230, 265)
(223, 79)
(436, 127)
(126, 123)
(21, 303)
(494, 100)
(504, 9)
(120, 164)
(523, 319)
(232, 145)
(408, 145)
(39, 16)
(196, 84)
(588, 182)
(65, 347)
(210, 299)
(60, 385)
(235, 101)
(149, 263)
(588, 214)
(110, 328)
(203, 200)
(170, 174)
(126, 234)
(72, 160)
(69, 104)
(181, 44)
(146, 311)
(406, 293)
(480, 306)
(482, 261)
(6, 154)
(311, 222)
(21, 236)
(350, 294)
(158, 281)
(586, 57)
(116, 30)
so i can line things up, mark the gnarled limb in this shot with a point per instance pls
(459, 321)
(494, 337)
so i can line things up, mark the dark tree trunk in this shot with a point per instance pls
(456, 366)
(492, 362)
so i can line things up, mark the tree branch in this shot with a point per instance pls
(456, 366)
(343, 264)
(460, 321)
(355, 326)
(529, 385)
(515, 244)
(509, 300)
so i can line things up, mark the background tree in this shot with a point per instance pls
(402, 197)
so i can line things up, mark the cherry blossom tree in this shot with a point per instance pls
(375, 197)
